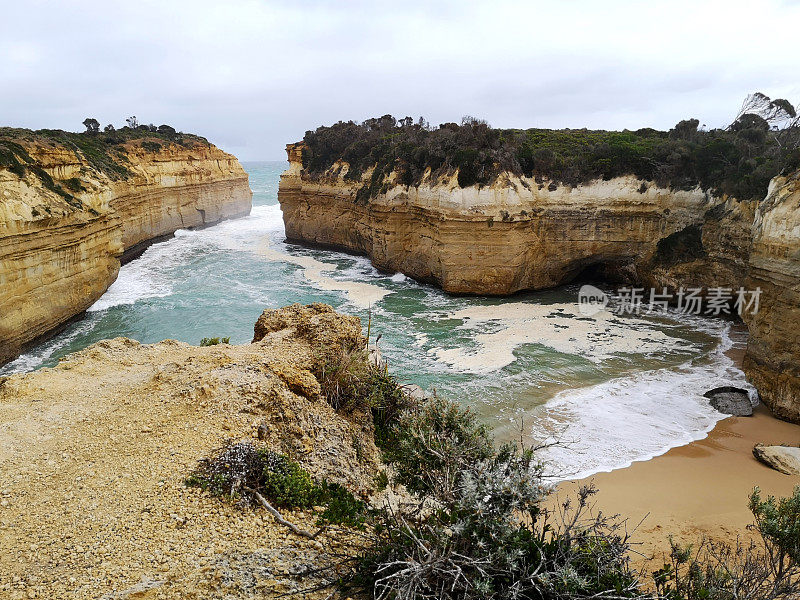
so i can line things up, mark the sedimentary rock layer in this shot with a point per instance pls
(518, 233)
(64, 222)
(522, 234)
(772, 361)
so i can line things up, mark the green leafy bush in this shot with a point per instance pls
(342, 507)
(151, 146)
(477, 528)
(286, 483)
(349, 381)
(238, 470)
(431, 441)
(743, 571)
(214, 341)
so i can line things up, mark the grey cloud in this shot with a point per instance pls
(253, 75)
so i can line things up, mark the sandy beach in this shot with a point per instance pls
(696, 490)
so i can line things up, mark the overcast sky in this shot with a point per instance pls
(254, 75)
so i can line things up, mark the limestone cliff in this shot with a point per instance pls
(772, 361)
(67, 214)
(519, 234)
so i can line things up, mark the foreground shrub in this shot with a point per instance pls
(243, 472)
(351, 382)
(431, 445)
(477, 528)
(765, 570)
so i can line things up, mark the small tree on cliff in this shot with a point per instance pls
(92, 125)
(132, 122)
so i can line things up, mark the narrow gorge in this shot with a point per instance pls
(73, 206)
(531, 233)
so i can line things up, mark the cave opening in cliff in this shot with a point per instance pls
(613, 271)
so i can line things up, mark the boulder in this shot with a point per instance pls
(785, 459)
(730, 401)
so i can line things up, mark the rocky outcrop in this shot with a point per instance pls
(772, 361)
(730, 401)
(785, 459)
(519, 233)
(95, 453)
(66, 219)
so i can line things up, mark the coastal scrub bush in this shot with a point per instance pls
(739, 160)
(477, 528)
(101, 149)
(765, 570)
(214, 341)
(151, 146)
(240, 471)
(431, 444)
(350, 381)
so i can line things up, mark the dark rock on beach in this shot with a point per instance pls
(731, 401)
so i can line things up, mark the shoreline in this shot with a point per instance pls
(697, 490)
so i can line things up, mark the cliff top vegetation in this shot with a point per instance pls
(739, 160)
(104, 150)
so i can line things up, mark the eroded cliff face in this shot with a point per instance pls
(520, 234)
(65, 223)
(772, 361)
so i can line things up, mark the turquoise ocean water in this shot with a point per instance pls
(613, 389)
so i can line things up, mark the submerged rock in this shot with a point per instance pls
(730, 401)
(785, 459)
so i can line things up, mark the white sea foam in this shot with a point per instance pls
(315, 271)
(420, 339)
(151, 275)
(141, 278)
(636, 417)
(34, 358)
(557, 326)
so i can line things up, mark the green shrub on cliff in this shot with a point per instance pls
(431, 441)
(769, 570)
(477, 529)
(739, 160)
(214, 341)
(350, 382)
(16, 159)
(241, 471)
(102, 149)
